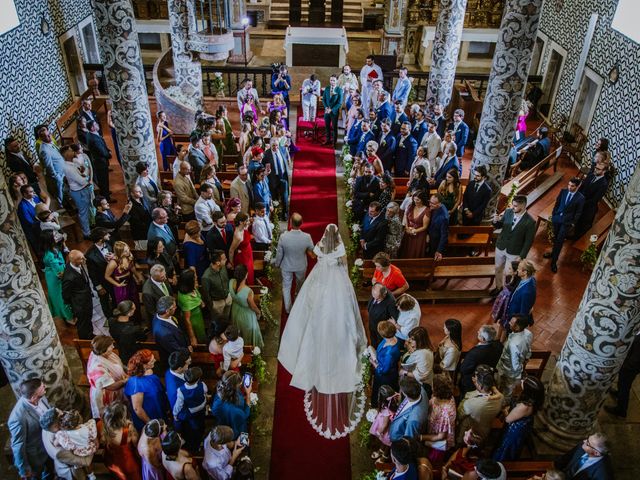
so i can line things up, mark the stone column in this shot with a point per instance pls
(601, 333)
(29, 342)
(394, 20)
(186, 66)
(505, 90)
(444, 57)
(120, 53)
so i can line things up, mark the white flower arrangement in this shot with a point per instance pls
(348, 157)
(253, 399)
(351, 181)
(257, 351)
(516, 183)
(593, 238)
(355, 228)
(264, 290)
(372, 413)
(267, 256)
(276, 204)
(217, 74)
(349, 203)
(358, 262)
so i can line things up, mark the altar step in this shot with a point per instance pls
(351, 16)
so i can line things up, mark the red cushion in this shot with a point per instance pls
(304, 124)
(320, 122)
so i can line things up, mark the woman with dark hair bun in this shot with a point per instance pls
(244, 311)
(150, 450)
(230, 406)
(450, 347)
(177, 461)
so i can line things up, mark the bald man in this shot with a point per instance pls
(79, 292)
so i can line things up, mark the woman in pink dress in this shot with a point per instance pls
(241, 250)
(388, 400)
(121, 272)
(106, 375)
(442, 419)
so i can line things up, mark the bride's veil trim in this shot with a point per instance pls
(334, 415)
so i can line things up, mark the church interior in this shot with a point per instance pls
(556, 77)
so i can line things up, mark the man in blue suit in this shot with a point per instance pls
(387, 145)
(403, 88)
(398, 117)
(366, 136)
(385, 109)
(589, 460)
(353, 135)
(450, 161)
(406, 148)
(27, 215)
(179, 362)
(332, 101)
(160, 229)
(460, 130)
(166, 332)
(411, 418)
(418, 126)
(438, 227)
(566, 212)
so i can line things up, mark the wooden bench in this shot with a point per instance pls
(538, 192)
(471, 236)
(464, 268)
(600, 228)
(530, 176)
(200, 357)
(545, 215)
(521, 469)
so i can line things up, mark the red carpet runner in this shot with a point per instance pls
(297, 451)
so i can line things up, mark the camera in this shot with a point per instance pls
(244, 439)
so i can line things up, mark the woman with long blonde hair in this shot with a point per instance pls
(122, 273)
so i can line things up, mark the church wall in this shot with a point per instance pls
(34, 87)
(617, 115)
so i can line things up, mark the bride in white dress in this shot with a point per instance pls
(323, 342)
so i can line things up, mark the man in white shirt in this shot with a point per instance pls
(262, 228)
(368, 74)
(205, 207)
(432, 142)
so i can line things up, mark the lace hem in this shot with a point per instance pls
(332, 426)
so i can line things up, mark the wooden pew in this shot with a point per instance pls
(600, 228)
(472, 236)
(463, 268)
(522, 469)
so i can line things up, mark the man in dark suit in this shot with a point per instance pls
(476, 197)
(140, 214)
(593, 188)
(366, 189)
(628, 372)
(276, 159)
(381, 306)
(100, 155)
(98, 256)
(486, 352)
(406, 148)
(168, 335)
(366, 135)
(353, 135)
(460, 130)
(197, 159)
(221, 234)
(160, 229)
(439, 120)
(332, 101)
(387, 145)
(77, 291)
(418, 126)
(373, 236)
(566, 212)
(589, 460)
(18, 162)
(438, 227)
(88, 114)
(515, 239)
(398, 117)
(154, 289)
(105, 217)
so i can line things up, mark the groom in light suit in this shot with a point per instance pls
(291, 258)
(412, 415)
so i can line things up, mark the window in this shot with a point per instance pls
(625, 19)
(481, 50)
(89, 42)
(536, 57)
(150, 41)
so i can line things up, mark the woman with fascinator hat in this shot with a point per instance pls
(323, 342)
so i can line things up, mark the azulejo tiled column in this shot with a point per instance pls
(446, 46)
(120, 53)
(186, 64)
(601, 333)
(505, 90)
(29, 342)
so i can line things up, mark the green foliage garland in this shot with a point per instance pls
(364, 437)
(370, 476)
(259, 367)
(590, 256)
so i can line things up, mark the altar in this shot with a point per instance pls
(311, 46)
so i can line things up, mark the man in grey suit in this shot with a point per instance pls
(291, 257)
(29, 454)
(53, 162)
(196, 157)
(411, 418)
(515, 239)
(68, 466)
(154, 289)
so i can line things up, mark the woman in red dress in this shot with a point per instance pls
(120, 439)
(241, 250)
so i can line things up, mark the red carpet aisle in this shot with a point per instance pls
(297, 451)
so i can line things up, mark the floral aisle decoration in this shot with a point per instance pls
(218, 84)
(254, 407)
(513, 192)
(355, 239)
(266, 306)
(356, 272)
(259, 367)
(590, 256)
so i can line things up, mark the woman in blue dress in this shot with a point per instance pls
(194, 249)
(519, 421)
(146, 394)
(386, 361)
(230, 406)
(164, 137)
(261, 192)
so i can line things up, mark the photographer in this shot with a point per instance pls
(281, 83)
(221, 452)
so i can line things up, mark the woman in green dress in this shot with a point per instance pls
(451, 191)
(54, 264)
(190, 303)
(244, 311)
(229, 141)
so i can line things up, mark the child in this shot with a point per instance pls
(233, 349)
(190, 408)
(79, 438)
(388, 400)
(49, 222)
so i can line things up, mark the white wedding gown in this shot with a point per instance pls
(322, 345)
